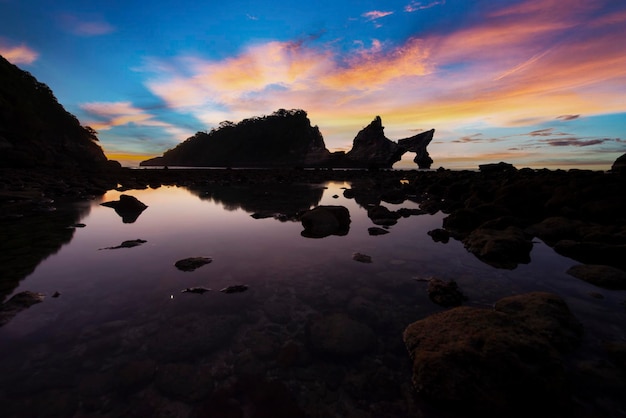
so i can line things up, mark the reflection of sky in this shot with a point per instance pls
(149, 75)
(268, 255)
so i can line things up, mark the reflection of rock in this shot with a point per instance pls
(495, 361)
(127, 244)
(602, 276)
(380, 215)
(362, 258)
(439, 235)
(192, 263)
(128, 207)
(238, 288)
(323, 221)
(18, 303)
(374, 230)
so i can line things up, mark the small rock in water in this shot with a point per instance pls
(127, 244)
(192, 263)
(56, 294)
(79, 225)
(235, 289)
(199, 290)
(377, 231)
(363, 258)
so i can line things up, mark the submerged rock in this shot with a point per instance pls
(606, 277)
(504, 248)
(235, 288)
(17, 304)
(192, 263)
(506, 361)
(445, 294)
(362, 258)
(374, 230)
(339, 336)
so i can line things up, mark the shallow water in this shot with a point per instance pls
(122, 340)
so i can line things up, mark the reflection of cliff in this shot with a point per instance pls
(263, 200)
(28, 240)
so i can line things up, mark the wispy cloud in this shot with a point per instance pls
(568, 117)
(85, 25)
(17, 54)
(415, 6)
(376, 14)
(576, 142)
(252, 17)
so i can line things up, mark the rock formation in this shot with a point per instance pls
(35, 129)
(287, 139)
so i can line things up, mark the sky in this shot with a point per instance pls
(536, 83)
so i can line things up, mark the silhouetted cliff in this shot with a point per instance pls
(36, 131)
(284, 138)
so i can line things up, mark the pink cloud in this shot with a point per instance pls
(415, 6)
(375, 14)
(17, 54)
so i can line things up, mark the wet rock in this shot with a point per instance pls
(362, 258)
(439, 235)
(192, 263)
(128, 207)
(324, 221)
(377, 231)
(500, 248)
(446, 294)
(556, 228)
(590, 252)
(606, 277)
(337, 335)
(127, 244)
(199, 290)
(238, 288)
(380, 215)
(506, 361)
(17, 303)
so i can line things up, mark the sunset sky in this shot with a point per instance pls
(537, 83)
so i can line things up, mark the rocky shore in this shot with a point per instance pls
(486, 361)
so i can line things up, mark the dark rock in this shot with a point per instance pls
(362, 258)
(617, 352)
(127, 244)
(500, 248)
(554, 229)
(199, 290)
(439, 235)
(323, 221)
(446, 294)
(337, 335)
(380, 215)
(406, 212)
(497, 168)
(192, 263)
(238, 288)
(377, 231)
(502, 362)
(619, 166)
(606, 277)
(590, 252)
(17, 303)
(418, 144)
(128, 207)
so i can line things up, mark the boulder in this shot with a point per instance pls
(439, 235)
(619, 166)
(500, 248)
(505, 361)
(606, 277)
(380, 215)
(323, 221)
(192, 263)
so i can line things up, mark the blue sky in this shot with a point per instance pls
(538, 83)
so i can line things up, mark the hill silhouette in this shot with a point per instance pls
(36, 131)
(286, 139)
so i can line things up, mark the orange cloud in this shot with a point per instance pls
(85, 25)
(17, 54)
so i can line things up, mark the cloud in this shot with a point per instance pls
(375, 14)
(575, 142)
(108, 115)
(251, 17)
(17, 54)
(85, 25)
(568, 117)
(415, 6)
